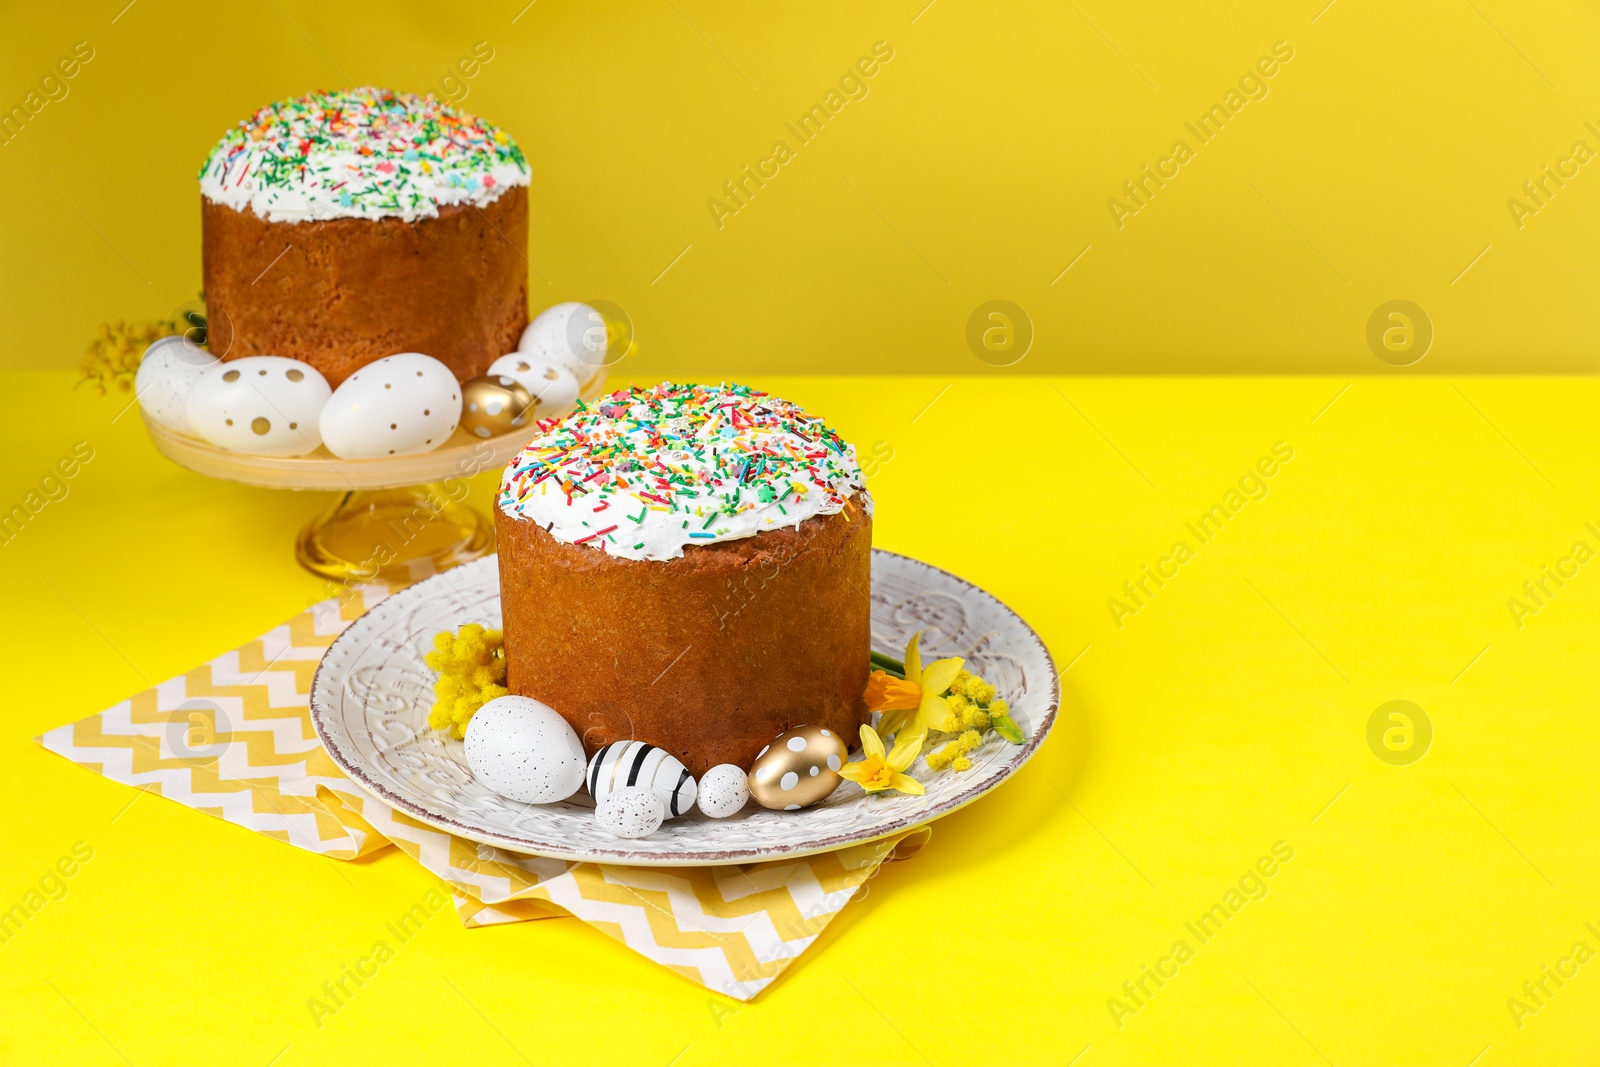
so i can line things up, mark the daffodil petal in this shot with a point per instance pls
(871, 743)
(905, 751)
(914, 658)
(894, 722)
(939, 675)
(906, 784)
(853, 771)
(935, 713)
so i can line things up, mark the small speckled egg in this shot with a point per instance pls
(392, 407)
(799, 768)
(632, 811)
(552, 386)
(628, 763)
(494, 404)
(524, 750)
(261, 405)
(167, 372)
(723, 791)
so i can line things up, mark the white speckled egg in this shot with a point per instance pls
(632, 811)
(391, 407)
(723, 790)
(167, 372)
(799, 768)
(551, 384)
(627, 763)
(261, 405)
(524, 750)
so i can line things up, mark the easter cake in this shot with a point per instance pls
(688, 566)
(339, 228)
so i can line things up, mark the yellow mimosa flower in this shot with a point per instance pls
(876, 772)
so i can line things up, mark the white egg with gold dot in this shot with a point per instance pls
(393, 406)
(260, 405)
(573, 334)
(551, 384)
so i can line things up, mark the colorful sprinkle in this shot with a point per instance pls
(364, 152)
(724, 456)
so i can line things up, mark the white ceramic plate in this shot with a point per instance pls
(372, 692)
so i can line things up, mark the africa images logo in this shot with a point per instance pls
(1208, 127)
(1252, 886)
(1252, 485)
(852, 86)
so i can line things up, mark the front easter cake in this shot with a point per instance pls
(688, 566)
(340, 228)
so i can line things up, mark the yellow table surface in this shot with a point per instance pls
(1226, 718)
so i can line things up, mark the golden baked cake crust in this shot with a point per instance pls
(708, 656)
(341, 293)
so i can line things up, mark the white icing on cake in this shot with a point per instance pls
(644, 473)
(367, 153)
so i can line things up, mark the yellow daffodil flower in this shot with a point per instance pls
(876, 772)
(916, 702)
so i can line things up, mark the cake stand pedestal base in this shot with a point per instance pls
(395, 536)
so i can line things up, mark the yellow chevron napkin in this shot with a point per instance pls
(233, 738)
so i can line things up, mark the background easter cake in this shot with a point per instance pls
(339, 228)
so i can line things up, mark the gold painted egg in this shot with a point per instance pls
(799, 768)
(494, 404)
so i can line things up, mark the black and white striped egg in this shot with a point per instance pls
(627, 763)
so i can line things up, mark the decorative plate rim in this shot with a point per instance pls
(628, 854)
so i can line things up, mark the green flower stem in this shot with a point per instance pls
(888, 664)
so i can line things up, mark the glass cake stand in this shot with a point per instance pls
(398, 519)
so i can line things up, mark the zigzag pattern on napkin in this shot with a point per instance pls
(233, 738)
(731, 929)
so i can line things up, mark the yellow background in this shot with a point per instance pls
(978, 167)
(1229, 714)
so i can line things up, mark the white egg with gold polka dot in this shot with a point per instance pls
(394, 406)
(552, 385)
(260, 405)
(573, 334)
